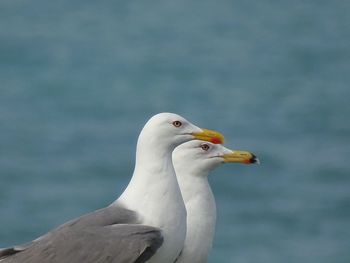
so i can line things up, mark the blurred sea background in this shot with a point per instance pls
(78, 80)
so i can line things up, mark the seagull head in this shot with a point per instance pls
(199, 157)
(171, 130)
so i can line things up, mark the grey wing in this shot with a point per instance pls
(84, 240)
(114, 244)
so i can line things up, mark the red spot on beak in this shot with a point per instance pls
(216, 140)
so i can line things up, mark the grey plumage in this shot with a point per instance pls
(109, 235)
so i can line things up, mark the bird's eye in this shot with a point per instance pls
(177, 124)
(205, 147)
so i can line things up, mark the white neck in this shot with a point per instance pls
(201, 218)
(154, 194)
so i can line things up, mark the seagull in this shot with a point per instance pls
(146, 223)
(193, 161)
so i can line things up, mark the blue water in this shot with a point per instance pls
(80, 78)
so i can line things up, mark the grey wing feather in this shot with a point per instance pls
(110, 235)
(5, 252)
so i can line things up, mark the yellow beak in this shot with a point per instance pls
(209, 136)
(240, 157)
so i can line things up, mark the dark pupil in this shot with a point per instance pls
(177, 123)
(205, 147)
